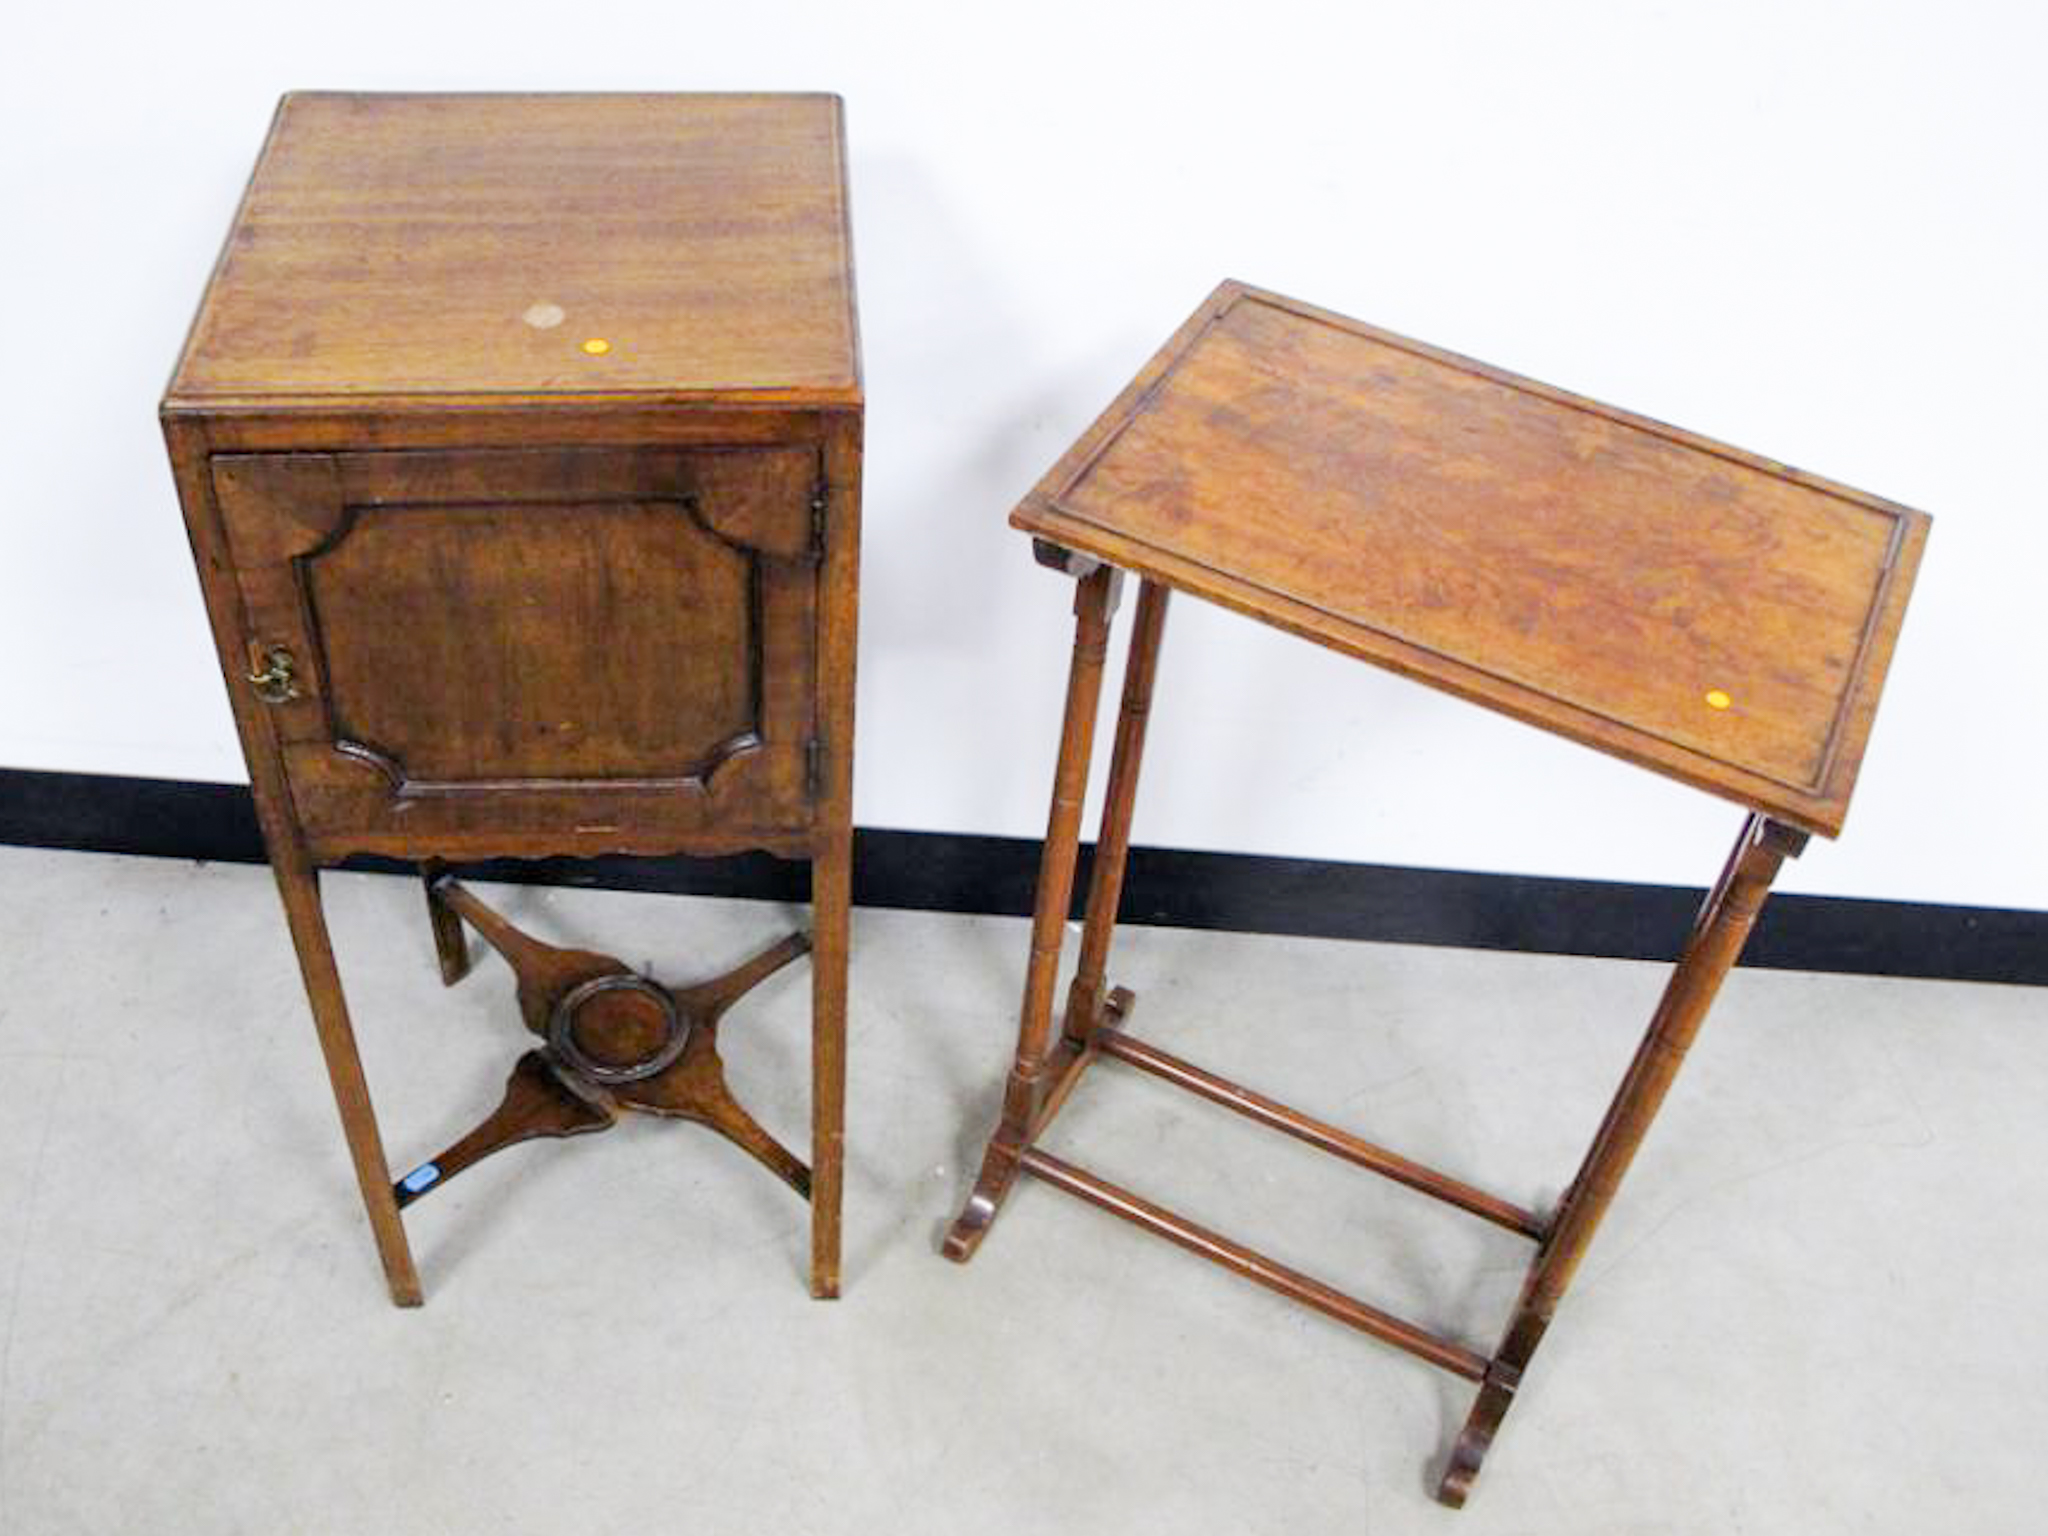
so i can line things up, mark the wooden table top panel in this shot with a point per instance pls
(1681, 603)
(397, 246)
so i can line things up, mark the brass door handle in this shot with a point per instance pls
(277, 682)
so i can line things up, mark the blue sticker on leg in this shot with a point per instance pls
(420, 1178)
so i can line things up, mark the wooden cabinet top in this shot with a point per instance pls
(399, 249)
(1679, 603)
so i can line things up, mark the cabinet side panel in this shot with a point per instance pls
(186, 439)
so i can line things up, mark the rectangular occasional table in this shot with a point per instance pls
(519, 443)
(1692, 608)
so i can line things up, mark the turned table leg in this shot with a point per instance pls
(1094, 601)
(1718, 934)
(1085, 1000)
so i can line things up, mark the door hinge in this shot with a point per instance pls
(814, 768)
(821, 496)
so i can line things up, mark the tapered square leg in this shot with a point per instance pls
(831, 910)
(451, 946)
(298, 882)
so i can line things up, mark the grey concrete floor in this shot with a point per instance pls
(1817, 1307)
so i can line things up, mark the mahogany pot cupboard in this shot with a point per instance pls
(519, 442)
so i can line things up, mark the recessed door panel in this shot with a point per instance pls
(538, 641)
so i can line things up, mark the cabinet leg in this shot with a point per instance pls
(451, 944)
(298, 882)
(1093, 601)
(831, 903)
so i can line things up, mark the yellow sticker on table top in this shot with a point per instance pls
(597, 346)
(1717, 699)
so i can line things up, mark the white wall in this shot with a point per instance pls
(1815, 230)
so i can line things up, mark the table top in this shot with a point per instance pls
(405, 247)
(1685, 605)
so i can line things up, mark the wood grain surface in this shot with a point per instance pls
(1684, 604)
(401, 245)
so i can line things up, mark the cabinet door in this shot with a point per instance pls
(532, 650)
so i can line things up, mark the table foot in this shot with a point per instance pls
(1496, 1396)
(1033, 1106)
(991, 1189)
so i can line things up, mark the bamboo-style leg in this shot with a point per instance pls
(298, 882)
(1113, 842)
(451, 945)
(1094, 600)
(831, 908)
(1718, 935)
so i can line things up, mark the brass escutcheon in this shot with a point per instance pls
(277, 681)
